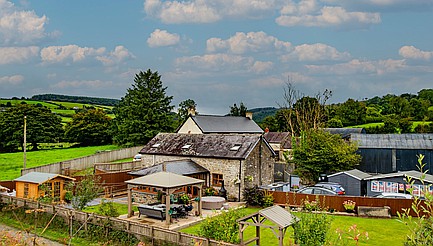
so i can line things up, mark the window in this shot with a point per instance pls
(26, 190)
(186, 146)
(156, 145)
(236, 147)
(217, 179)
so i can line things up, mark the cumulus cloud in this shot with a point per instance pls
(410, 52)
(160, 38)
(307, 13)
(216, 62)
(315, 52)
(18, 27)
(119, 55)
(10, 55)
(74, 53)
(357, 66)
(241, 43)
(82, 84)
(11, 80)
(207, 11)
(261, 67)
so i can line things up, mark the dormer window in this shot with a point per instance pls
(186, 146)
(156, 145)
(236, 147)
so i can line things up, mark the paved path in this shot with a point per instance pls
(25, 238)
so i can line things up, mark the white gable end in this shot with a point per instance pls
(190, 127)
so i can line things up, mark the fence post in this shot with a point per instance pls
(178, 237)
(152, 234)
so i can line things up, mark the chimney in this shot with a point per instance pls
(266, 130)
(191, 111)
(249, 115)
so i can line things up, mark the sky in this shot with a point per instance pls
(217, 52)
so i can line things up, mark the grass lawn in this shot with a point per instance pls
(121, 208)
(12, 163)
(380, 231)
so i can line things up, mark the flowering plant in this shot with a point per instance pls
(349, 205)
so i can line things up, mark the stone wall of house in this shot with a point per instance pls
(259, 172)
(144, 198)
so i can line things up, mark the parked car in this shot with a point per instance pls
(332, 186)
(137, 157)
(317, 191)
(277, 186)
(394, 195)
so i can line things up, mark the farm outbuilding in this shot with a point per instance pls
(388, 153)
(353, 181)
(36, 184)
(397, 182)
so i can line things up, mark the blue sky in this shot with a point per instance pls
(217, 52)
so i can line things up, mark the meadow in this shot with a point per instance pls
(12, 163)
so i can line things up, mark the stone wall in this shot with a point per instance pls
(259, 172)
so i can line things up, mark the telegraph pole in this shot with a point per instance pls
(25, 141)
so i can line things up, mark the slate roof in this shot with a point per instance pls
(355, 173)
(39, 178)
(394, 141)
(228, 146)
(413, 174)
(164, 180)
(345, 132)
(181, 167)
(225, 124)
(283, 138)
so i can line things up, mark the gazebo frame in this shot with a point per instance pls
(168, 182)
(276, 214)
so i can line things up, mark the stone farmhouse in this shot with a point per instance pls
(217, 149)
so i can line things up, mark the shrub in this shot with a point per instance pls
(310, 206)
(108, 209)
(312, 229)
(349, 205)
(267, 200)
(210, 191)
(223, 227)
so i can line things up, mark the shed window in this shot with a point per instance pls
(217, 179)
(26, 190)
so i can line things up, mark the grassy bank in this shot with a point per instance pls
(12, 163)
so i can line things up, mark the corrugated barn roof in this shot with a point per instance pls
(226, 124)
(393, 141)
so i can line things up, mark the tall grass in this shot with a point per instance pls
(12, 163)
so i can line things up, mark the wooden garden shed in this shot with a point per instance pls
(36, 184)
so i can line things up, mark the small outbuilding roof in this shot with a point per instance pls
(282, 138)
(164, 180)
(279, 216)
(226, 124)
(181, 167)
(354, 173)
(40, 178)
(413, 174)
(228, 146)
(394, 141)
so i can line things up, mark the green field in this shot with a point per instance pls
(15, 102)
(380, 231)
(12, 163)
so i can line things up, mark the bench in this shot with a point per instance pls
(157, 211)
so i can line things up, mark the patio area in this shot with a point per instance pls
(179, 223)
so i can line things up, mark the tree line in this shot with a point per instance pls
(76, 99)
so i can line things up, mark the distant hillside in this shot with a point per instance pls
(259, 114)
(77, 99)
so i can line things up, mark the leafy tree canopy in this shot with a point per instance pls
(240, 110)
(184, 108)
(42, 127)
(143, 112)
(319, 152)
(89, 127)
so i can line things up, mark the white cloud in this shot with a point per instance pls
(261, 67)
(291, 15)
(208, 11)
(91, 84)
(68, 53)
(410, 52)
(217, 62)
(316, 52)
(356, 66)
(19, 27)
(11, 80)
(119, 55)
(160, 38)
(241, 43)
(9, 55)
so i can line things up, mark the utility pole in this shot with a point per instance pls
(25, 141)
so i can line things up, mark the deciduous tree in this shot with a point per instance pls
(240, 110)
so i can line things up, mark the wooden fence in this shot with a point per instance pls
(132, 227)
(84, 162)
(118, 167)
(111, 182)
(336, 202)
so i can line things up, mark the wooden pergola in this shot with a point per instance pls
(276, 214)
(168, 182)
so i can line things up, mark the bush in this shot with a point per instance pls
(223, 227)
(108, 209)
(312, 229)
